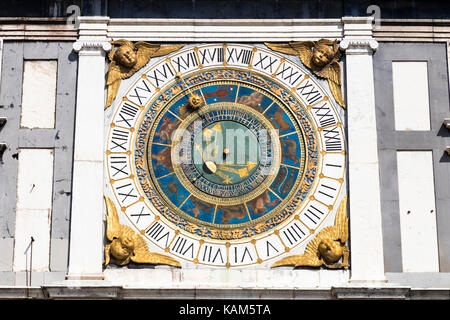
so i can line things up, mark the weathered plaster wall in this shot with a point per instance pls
(389, 141)
(59, 138)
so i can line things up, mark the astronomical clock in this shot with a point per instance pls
(225, 156)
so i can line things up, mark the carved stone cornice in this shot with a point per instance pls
(93, 27)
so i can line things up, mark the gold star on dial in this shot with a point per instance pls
(227, 180)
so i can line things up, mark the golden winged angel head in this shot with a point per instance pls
(321, 56)
(327, 248)
(127, 58)
(122, 248)
(331, 250)
(323, 53)
(126, 55)
(126, 245)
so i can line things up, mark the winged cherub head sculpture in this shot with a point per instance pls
(126, 245)
(126, 58)
(322, 57)
(327, 248)
(323, 54)
(126, 55)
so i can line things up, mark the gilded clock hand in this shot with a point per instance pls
(234, 164)
(200, 150)
(249, 165)
(178, 75)
(209, 133)
(243, 172)
(226, 179)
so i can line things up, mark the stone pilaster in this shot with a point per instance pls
(86, 229)
(367, 262)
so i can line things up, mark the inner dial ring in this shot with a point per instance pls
(198, 162)
(210, 207)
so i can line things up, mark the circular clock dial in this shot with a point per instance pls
(225, 155)
(232, 162)
(225, 161)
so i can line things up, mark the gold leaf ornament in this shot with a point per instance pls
(126, 245)
(321, 57)
(327, 248)
(126, 58)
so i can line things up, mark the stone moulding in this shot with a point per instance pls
(119, 292)
(82, 45)
(359, 44)
(17, 28)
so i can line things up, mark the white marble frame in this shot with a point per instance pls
(357, 40)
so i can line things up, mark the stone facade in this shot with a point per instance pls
(76, 221)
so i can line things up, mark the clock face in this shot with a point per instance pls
(225, 155)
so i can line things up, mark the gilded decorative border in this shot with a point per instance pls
(235, 233)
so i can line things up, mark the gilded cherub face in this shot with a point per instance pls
(195, 101)
(331, 250)
(121, 248)
(126, 56)
(322, 55)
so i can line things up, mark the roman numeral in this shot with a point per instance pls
(293, 233)
(326, 190)
(127, 114)
(332, 139)
(209, 56)
(309, 92)
(333, 165)
(287, 74)
(239, 256)
(324, 115)
(314, 214)
(211, 255)
(182, 63)
(161, 74)
(266, 62)
(235, 55)
(119, 164)
(140, 93)
(183, 246)
(126, 191)
(140, 214)
(269, 247)
(158, 232)
(119, 139)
